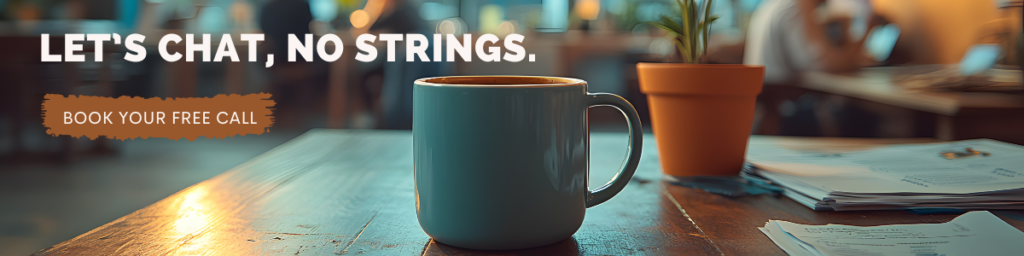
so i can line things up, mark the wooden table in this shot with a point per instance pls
(351, 192)
(959, 115)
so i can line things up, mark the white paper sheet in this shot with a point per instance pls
(974, 233)
(898, 169)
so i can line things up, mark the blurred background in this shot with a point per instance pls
(947, 69)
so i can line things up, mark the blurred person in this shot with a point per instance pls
(400, 16)
(789, 37)
(278, 18)
(388, 87)
(298, 87)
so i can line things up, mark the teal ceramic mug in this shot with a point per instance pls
(501, 161)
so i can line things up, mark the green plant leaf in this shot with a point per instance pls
(706, 30)
(707, 9)
(669, 25)
(706, 25)
(691, 34)
(684, 14)
(682, 34)
(682, 50)
(694, 26)
(687, 19)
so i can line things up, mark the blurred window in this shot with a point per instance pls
(323, 10)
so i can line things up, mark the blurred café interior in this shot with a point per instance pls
(946, 69)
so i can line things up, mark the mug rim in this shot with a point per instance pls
(553, 81)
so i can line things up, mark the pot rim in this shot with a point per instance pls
(694, 65)
(700, 79)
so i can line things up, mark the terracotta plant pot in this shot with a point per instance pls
(702, 115)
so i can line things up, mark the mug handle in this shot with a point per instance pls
(636, 141)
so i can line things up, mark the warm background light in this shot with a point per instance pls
(446, 27)
(506, 28)
(452, 25)
(359, 18)
(938, 31)
(588, 9)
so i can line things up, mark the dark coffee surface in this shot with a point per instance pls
(502, 80)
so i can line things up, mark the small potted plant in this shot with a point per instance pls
(701, 113)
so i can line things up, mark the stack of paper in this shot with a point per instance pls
(982, 174)
(974, 233)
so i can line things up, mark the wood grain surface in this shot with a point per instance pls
(339, 192)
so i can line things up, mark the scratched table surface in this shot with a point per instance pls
(351, 192)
